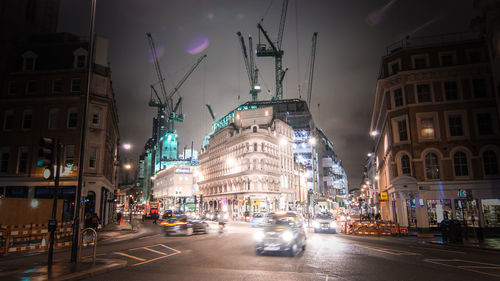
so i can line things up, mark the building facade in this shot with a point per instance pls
(248, 166)
(436, 130)
(175, 187)
(43, 95)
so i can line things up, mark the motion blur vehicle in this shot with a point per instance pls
(283, 232)
(167, 214)
(258, 219)
(183, 224)
(324, 222)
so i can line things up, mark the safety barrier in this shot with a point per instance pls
(28, 237)
(373, 228)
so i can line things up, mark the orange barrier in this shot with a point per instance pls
(373, 228)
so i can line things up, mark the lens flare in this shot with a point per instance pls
(197, 44)
(160, 50)
(376, 17)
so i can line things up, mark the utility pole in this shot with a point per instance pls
(53, 221)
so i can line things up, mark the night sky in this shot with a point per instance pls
(352, 37)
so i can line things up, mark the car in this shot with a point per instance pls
(182, 224)
(284, 232)
(258, 219)
(324, 222)
(167, 214)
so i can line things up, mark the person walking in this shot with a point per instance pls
(94, 221)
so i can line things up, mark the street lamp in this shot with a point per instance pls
(127, 146)
(374, 133)
(127, 166)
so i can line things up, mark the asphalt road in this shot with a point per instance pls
(231, 256)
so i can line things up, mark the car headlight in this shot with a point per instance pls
(315, 224)
(287, 236)
(333, 224)
(259, 235)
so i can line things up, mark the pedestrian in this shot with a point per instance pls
(155, 217)
(94, 221)
(88, 222)
(119, 217)
(378, 216)
(445, 230)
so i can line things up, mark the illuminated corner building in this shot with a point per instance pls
(174, 187)
(248, 165)
(437, 151)
(43, 95)
(330, 181)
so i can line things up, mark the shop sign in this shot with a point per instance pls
(465, 193)
(383, 196)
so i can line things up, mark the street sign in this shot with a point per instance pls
(383, 196)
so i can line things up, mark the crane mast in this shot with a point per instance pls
(311, 69)
(252, 71)
(275, 51)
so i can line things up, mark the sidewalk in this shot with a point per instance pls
(487, 244)
(62, 270)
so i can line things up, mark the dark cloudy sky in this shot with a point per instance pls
(352, 37)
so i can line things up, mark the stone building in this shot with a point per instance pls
(248, 166)
(436, 130)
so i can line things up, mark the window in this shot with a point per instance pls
(490, 163)
(394, 67)
(29, 64)
(30, 87)
(69, 155)
(474, 56)
(447, 59)
(405, 165)
(402, 131)
(80, 61)
(4, 160)
(484, 126)
(27, 119)
(398, 98)
(8, 121)
(419, 62)
(53, 118)
(12, 88)
(57, 86)
(96, 116)
(427, 128)
(455, 125)
(72, 118)
(93, 157)
(451, 90)
(16, 191)
(22, 166)
(460, 163)
(76, 85)
(254, 129)
(479, 88)
(255, 147)
(431, 166)
(424, 93)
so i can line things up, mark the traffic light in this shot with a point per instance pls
(46, 152)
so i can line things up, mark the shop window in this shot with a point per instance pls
(479, 88)
(424, 93)
(405, 165)
(460, 164)
(432, 169)
(451, 90)
(491, 210)
(490, 163)
(16, 191)
(438, 210)
(466, 211)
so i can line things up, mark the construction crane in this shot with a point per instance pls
(275, 51)
(168, 112)
(311, 69)
(252, 70)
(210, 111)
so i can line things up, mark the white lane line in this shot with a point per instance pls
(424, 248)
(165, 246)
(389, 251)
(130, 256)
(154, 251)
(465, 267)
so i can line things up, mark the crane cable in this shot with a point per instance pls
(297, 44)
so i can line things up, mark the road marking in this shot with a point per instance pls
(130, 256)
(154, 251)
(467, 267)
(388, 251)
(165, 246)
(162, 257)
(438, 249)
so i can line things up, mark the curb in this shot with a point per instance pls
(116, 264)
(458, 246)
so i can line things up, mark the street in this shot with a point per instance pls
(231, 256)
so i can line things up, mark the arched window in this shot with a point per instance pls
(432, 166)
(405, 165)
(254, 129)
(490, 163)
(460, 163)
